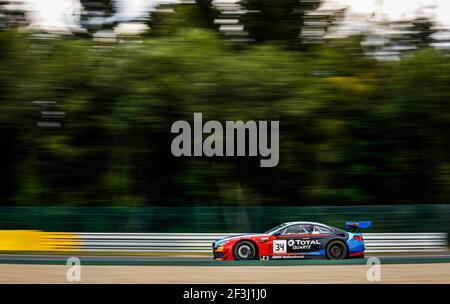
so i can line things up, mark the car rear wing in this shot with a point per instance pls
(357, 226)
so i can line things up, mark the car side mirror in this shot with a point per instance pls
(276, 233)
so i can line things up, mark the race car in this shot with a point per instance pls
(295, 240)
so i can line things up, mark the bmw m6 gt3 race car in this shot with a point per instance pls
(295, 240)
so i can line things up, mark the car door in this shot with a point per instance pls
(290, 240)
(319, 237)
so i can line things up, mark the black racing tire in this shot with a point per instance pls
(244, 250)
(336, 250)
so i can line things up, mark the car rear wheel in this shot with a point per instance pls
(336, 250)
(244, 250)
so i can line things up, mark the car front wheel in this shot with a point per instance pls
(336, 250)
(244, 251)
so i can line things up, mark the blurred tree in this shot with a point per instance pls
(417, 115)
(422, 31)
(97, 15)
(171, 18)
(12, 14)
(411, 35)
(353, 130)
(276, 20)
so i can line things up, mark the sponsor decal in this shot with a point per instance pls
(279, 246)
(294, 246)
(302, 244)
(286, 257)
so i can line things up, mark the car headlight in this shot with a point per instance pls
(221, 243)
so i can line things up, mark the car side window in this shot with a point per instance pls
(321, 230)
(296, 229)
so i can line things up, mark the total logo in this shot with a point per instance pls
(302, 244)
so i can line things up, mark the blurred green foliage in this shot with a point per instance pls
(174, 17)
(276, 20)
(353, 130)
(386, 218)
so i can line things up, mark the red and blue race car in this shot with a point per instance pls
(295, 240)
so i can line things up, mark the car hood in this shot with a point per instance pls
(238, 236)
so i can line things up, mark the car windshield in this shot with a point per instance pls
(274, 228)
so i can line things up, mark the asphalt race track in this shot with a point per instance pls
(183, 269)
(162, 260)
